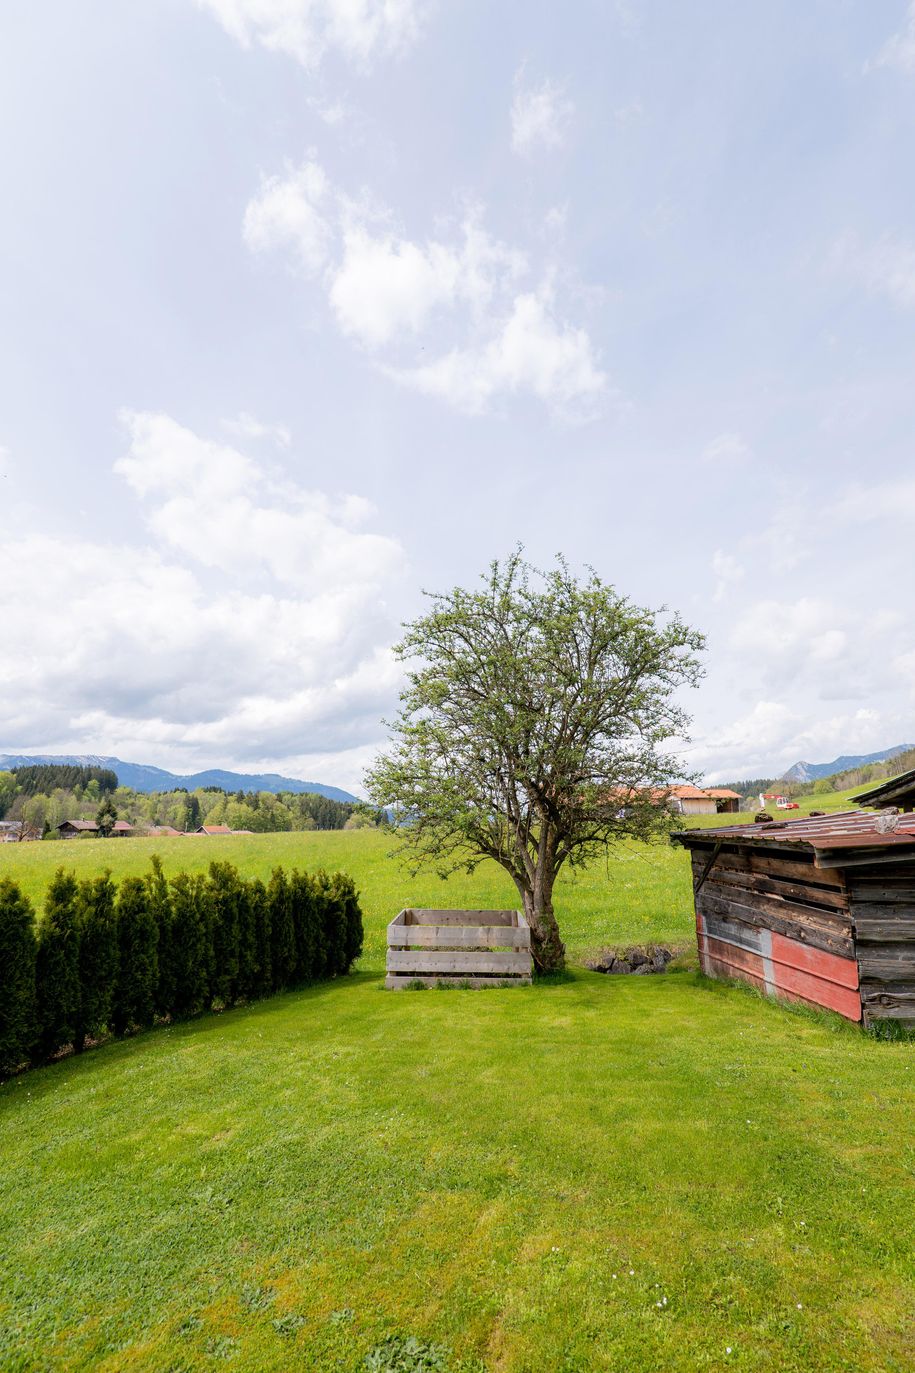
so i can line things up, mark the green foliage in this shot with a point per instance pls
(98, 957)
(138, 972)
(106, 817)
(161, 909)
(17, 960)
(191, 948)
(283, 946)
(399, 1354)
(533, 730)
(57, 967)
(226, 895)
(47, 777)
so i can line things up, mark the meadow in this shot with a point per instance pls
(645, 1173)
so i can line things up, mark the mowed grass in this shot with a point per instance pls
(597, 1173)
(641, 894)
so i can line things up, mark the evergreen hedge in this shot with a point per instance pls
(107, 960)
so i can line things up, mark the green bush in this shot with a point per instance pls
(57, 967)
(108, 959)
(17, 959)
(98, 957)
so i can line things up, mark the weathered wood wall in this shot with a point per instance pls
(778, 922)
(475, 948)
(882, 902)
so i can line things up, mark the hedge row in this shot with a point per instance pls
(110, 960)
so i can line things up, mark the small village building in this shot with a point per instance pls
(213, 829)
(819, 910)
(163, 832)
(11, 831)
(690, 800)
(898, 791)
(72, 829)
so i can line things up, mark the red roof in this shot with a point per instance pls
(723, 793)
(213, 829)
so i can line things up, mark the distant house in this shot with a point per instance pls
(213, 829)
(163, 832)
(72, 829)
(11, 832)
(690, 800)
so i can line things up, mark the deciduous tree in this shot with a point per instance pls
(535, 729)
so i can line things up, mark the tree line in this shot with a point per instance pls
(108, 959)
(42, 797)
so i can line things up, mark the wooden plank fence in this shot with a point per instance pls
(458, 948)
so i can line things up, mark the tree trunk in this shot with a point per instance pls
(547, 948)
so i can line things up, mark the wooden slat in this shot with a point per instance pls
(886, 962)
(888, 1003)
(445, 917)
(832, 898)
(744, 860)
(831, 920)
(479, 963)
(401, 984)
(884, 928)
(833, 936)
(467, 936)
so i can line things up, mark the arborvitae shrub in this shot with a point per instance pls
(260, 907)
(309, 940)
(344, 891)
(57, 967)
(283, 952)
(17, 961)
(160, 906)
(138, 937)
(224, 896)
(246, 985)
(191, 950)
(333, 912)
(98, 957)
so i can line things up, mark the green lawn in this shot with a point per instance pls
(518, 1176)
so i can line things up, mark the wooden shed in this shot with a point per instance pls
(820, 910)
(466, 948)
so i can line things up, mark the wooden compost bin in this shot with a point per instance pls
(467, 948)
(816, 910)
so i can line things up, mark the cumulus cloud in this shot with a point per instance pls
(392, 295)
(885, 267)
(728, 573)
(245, 426)
(360, 30)
(899, 51)
(251, 625)
(540, 115)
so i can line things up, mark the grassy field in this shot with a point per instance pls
(641, 894)
(655, 1173)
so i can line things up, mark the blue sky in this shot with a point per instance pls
(308, 304)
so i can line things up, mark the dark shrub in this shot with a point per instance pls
(138, 972)
(57, 967)
(98, 957)
(17, 959)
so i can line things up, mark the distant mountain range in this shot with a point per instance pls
(141, 777)
(811, 772)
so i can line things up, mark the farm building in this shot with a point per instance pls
(72, 829)
(898, 791)
(690, 800)
(212, 829)
(816, 910)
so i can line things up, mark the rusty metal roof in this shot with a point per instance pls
(845, 830)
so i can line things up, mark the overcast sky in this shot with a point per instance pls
(308, 304)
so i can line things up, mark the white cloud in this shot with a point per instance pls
(890, 500)
(252, 625)
(728, 573)
(899, 51)
(540, 115)
(489, 331)
(886, 267)
(727, 449)
(306, 30)
(245, 426)
(289, 211)
(531, 352)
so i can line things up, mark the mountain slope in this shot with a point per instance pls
(811, 772)
(143, 777)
